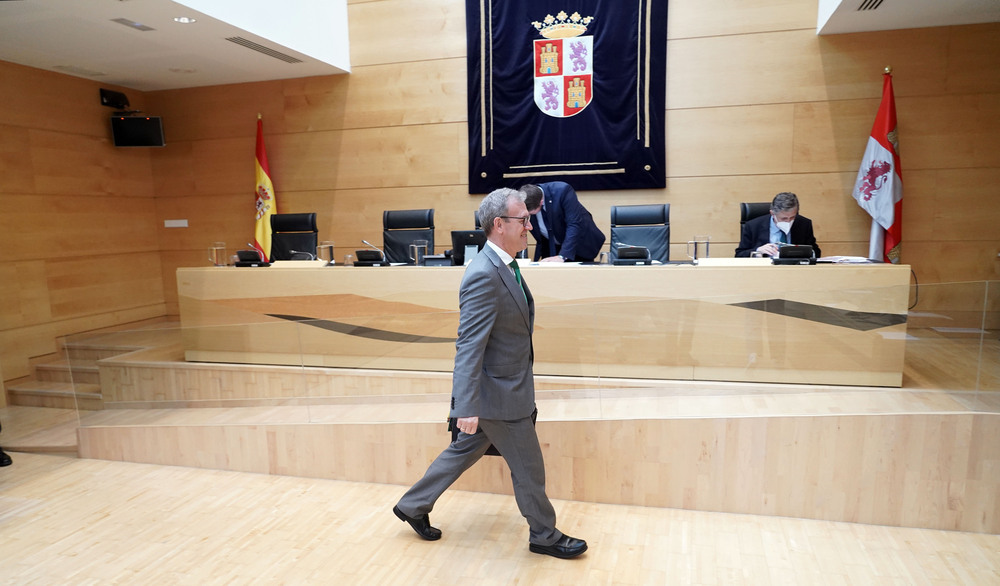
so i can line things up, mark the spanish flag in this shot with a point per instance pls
(267, 204)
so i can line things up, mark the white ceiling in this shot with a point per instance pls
(854, 16)
(79, 37)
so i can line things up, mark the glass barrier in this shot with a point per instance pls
(711, 356)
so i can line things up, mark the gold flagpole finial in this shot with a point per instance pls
(259, 116)
(888, 69)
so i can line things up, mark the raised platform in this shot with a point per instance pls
(924, 456)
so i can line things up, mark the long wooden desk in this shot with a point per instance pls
(822, 324)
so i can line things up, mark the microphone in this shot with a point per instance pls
(311, 255)
(253, 247)
(376, 248)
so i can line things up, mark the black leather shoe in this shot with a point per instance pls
(422, 525)
(567, 547)
(5, 459)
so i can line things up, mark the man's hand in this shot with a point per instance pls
(468, 424)
(770, 249)
(553, 259)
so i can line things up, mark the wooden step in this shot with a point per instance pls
(61, 395)
(78, 352)
(69, 372)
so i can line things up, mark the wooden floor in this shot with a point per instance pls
(79, 521)
(74, 521)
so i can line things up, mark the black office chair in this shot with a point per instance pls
(401, 227)
(641, 225)
(293, 236)
(751, 210)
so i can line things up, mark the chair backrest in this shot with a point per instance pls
(641, 225)
(751, 210)
(401, 227)
(293, 236)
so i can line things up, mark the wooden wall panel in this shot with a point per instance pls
(727, 17)
(25, 294)
(15, 161)
(400, 31)
(746, 140)
(433, 154)
(43, 100)
(219, 112)
(108, 283)
(73, 207)
(797, 66)
(57, 226)
(422, 92)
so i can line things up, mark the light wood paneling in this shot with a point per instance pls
(432, 154)
(916, 470)
(636, 322)
(25, 294)
(57, 226)
(110, 283)
(745, 140)
(15, 160)
(797, 66)
(64, 104)
(726, 17)
(398, 31)
(219, 112)
(84, 165)
(422, 92)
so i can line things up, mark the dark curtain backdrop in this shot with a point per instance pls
(615, 142)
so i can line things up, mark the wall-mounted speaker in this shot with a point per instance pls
(113, 99)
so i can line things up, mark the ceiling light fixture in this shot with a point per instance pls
(185, 20)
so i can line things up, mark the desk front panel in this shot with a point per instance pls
(824, 324)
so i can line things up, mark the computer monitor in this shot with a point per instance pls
(462, 238)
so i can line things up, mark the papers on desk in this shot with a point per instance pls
(298, 264)
(733, 262)
(845, 260)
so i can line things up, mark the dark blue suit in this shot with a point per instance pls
(757, 232)
(572, 231)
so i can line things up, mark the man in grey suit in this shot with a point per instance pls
(493, 388)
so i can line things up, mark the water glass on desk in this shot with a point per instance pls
(418, 251)
(217, 254)
(697, 247)
(325, 252)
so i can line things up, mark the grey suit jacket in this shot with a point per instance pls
(493, 353)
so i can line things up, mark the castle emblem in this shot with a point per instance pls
(563, 64)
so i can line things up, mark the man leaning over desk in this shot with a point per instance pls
(784, 225)
(563, 229)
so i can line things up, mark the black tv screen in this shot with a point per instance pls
(137, 131)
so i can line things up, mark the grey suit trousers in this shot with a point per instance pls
(518, 444)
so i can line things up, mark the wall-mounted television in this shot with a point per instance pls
(137, 131)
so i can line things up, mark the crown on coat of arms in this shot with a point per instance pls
(562, 26)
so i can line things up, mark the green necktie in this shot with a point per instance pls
(517, 275)
(782, 237)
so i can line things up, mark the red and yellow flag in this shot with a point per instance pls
(879, 185)
(267, 204)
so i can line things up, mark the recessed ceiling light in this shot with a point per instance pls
(185, 20)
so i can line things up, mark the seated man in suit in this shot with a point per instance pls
(784, 225)
(563, 229)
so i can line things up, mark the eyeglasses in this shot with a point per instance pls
(522, 219)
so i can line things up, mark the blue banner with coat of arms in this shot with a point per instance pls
(563, 91)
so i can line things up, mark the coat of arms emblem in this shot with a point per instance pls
(563, 64)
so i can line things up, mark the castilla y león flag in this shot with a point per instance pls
(266, 203)
(879, 186)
